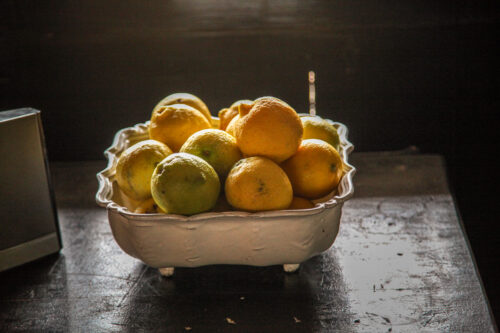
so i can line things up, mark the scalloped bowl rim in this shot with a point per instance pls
(105, 186)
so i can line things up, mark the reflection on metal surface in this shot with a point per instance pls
(28, 251)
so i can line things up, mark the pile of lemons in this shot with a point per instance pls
(258, 155)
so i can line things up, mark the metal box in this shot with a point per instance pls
(28, 219)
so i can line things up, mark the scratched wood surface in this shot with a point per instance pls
(400, 263)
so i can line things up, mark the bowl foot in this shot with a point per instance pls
(166, 271)
(290, 268)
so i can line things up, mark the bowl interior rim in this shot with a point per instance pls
(105, 186)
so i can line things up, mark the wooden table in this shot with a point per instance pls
(400, 263)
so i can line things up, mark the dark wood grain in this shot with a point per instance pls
(400, 263)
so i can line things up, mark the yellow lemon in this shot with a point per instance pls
(257, 184)
(216, 147)
(232, 124)
(185, 184)
(136, 165)
(148, 206)
(300, 203)
(174, 124)
(268, 127)
(188, 99)
(317, 128)
(227, 114)
(315, 169)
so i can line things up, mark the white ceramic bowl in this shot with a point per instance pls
(164, 241)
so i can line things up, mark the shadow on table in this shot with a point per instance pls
(242, 299)
(30, 293)
(19, 282)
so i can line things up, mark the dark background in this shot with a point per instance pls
(397, 73)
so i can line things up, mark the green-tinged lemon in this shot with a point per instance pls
(185, 184)
(216, 147)
(317, 128)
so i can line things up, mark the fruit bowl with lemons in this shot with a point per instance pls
(258, 185)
